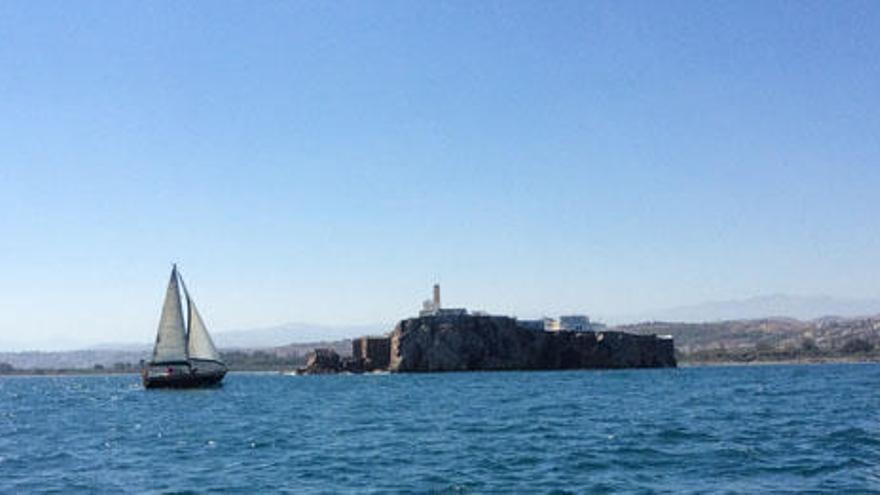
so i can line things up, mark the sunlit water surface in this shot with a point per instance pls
(727, 429)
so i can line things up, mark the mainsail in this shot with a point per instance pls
(171, 337)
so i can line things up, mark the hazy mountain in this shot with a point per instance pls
(283, 340)
(110, 356)
(773, 306)
(777, 305)
(259, 338)
(70, 359)
(142, 347)
(827, 333)
(44, 344)
(292, 333)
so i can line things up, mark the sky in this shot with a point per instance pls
(329, 161)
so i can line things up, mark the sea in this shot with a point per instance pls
(734, 429)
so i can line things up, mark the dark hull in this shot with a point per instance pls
(183, 380)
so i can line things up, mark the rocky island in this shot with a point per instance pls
(453, 340)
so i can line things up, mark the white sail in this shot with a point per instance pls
(171, 337)
(199, 345)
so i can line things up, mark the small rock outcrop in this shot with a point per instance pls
(325, 361)
(322, 361)
(467, 342)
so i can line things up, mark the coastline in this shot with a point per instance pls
(808, 361)
(681, 364)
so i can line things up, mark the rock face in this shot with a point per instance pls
(462, 343)
(324, 361)
(374, 352)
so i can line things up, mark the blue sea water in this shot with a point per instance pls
(689, 430)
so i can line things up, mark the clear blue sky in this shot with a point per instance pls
(328, 161)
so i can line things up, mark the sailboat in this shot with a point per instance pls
(184, 356)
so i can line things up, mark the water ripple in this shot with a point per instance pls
(695, 430)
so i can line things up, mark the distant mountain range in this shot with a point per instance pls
(772, 306)
(804, 308)
(291, 333)
(276, 336)
(695, 329)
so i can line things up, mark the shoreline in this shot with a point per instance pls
(88, 372)
(281, 371)
(810, 361)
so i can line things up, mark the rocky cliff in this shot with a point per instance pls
(461, 343)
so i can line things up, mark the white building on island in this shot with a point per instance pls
(567, 323)
(432, 307)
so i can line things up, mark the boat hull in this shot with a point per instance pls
(182, 376)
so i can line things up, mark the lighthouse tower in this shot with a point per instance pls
(431, 307)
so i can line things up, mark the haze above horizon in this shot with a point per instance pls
(328, 162)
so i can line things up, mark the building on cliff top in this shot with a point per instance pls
(431, 307)
(575, 323)
(567, 323)
(570, 323)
